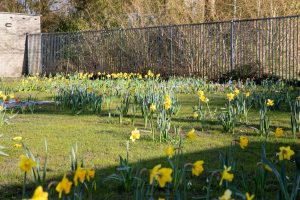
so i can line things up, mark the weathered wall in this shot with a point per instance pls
(13, 30)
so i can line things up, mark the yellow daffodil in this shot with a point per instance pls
(230, 96)
(64, 186)
(198, 168)
(270, 102)
(150, 74)
(39, 194)
(135, 135)
(170, 151)
(244, 142)
(18, 139)
(226, 175)
(79, 174)
(226, 196)
(164, 176)
(152, 107)
(285, 153)
(1, 108)
(191, 135)
(278, 132)
(195, 115)
(236, 91)
(200, 93)
(203, 99)
(247, 94)
(17, 145)
(167, 102)
(26, 164)
(153, 172)
(90, 173)
(249, 197)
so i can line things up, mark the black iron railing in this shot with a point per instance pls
(270, 47)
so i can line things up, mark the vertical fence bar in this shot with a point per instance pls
(292, 48)
(287, 50)
(258, 42)
(263, 60)
(268, 45)
(291, 76)
(206, 50)
(297, 48)
(219, 52)
(239, 46)
(211, 48)
(171, 51)
(231, 45)
(202, 50)
(277, 67)
(282, 49)
(272, 46)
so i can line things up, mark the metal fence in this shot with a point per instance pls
(269, 46)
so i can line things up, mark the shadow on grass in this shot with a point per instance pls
(247, 158)
(51, 109)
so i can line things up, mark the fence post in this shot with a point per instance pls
(231, 44)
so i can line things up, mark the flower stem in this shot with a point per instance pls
(24, 185)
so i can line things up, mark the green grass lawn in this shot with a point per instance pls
(101, 140)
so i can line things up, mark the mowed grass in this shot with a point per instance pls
(101, 140)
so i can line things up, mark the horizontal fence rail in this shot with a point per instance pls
(267, 47)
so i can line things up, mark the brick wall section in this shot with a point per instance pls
(13, 30)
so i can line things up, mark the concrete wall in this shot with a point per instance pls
(13, 30)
